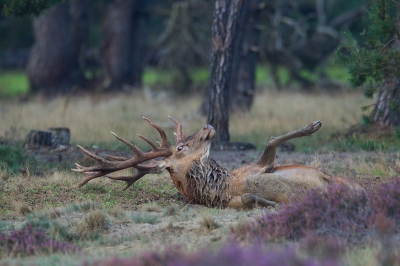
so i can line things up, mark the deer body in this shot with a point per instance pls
(201, 180)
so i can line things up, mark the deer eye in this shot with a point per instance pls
(180, 148)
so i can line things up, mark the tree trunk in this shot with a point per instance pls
(140, 40)
(245, 56)
(387, 108)
(118, 44)
(53, 65)
(226, 17)
(78, 11)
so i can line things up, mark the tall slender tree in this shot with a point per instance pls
(245, 55)
(224, 29)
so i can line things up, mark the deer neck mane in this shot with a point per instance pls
(207, 182)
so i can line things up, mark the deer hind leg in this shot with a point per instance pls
(250, 201)
(268, 157)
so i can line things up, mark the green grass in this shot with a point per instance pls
(264, 77)
(334, 71)
(12, 158)
(153, 76)
(353, 144)
(13, 83)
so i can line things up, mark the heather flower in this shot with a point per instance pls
(231, 255)
(386, 199)
(339, 210)
(28, 242)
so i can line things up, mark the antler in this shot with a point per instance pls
(106, 166)
(180, 135)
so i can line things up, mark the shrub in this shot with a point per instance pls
(28, 242)
(338, 210)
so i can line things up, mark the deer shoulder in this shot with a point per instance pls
(201, 180)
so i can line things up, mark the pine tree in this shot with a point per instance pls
(375, 64)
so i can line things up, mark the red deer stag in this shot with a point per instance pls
(202, 180)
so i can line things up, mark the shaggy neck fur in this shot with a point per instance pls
(207, 179)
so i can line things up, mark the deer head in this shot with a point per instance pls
(176, 159)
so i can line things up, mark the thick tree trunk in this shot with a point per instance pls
(226, 15)
(118, 44)
(387, 108)
(140, 40)
(245, 56)
(78, 11)
(53, 65)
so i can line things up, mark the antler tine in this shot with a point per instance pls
(180, 135)
(127, 143)
(164, 143)
(105, 167)
(94, 156)
(116, 158)
(130, 180)
(149, 142)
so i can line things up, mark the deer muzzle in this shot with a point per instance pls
(208, 132)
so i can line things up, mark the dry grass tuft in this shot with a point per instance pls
(21, 207)
(94, 221)
(118, 215)
(171, 210)
(207, 222)
(151, 207)
(115, 211)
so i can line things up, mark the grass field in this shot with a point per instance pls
(104, 222)
(91, 118)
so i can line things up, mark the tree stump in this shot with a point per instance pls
(38, 138)
(59, 136)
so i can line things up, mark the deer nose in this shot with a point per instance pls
(208, 127)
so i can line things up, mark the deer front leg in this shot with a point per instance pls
(268, 158)
(250, 201)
